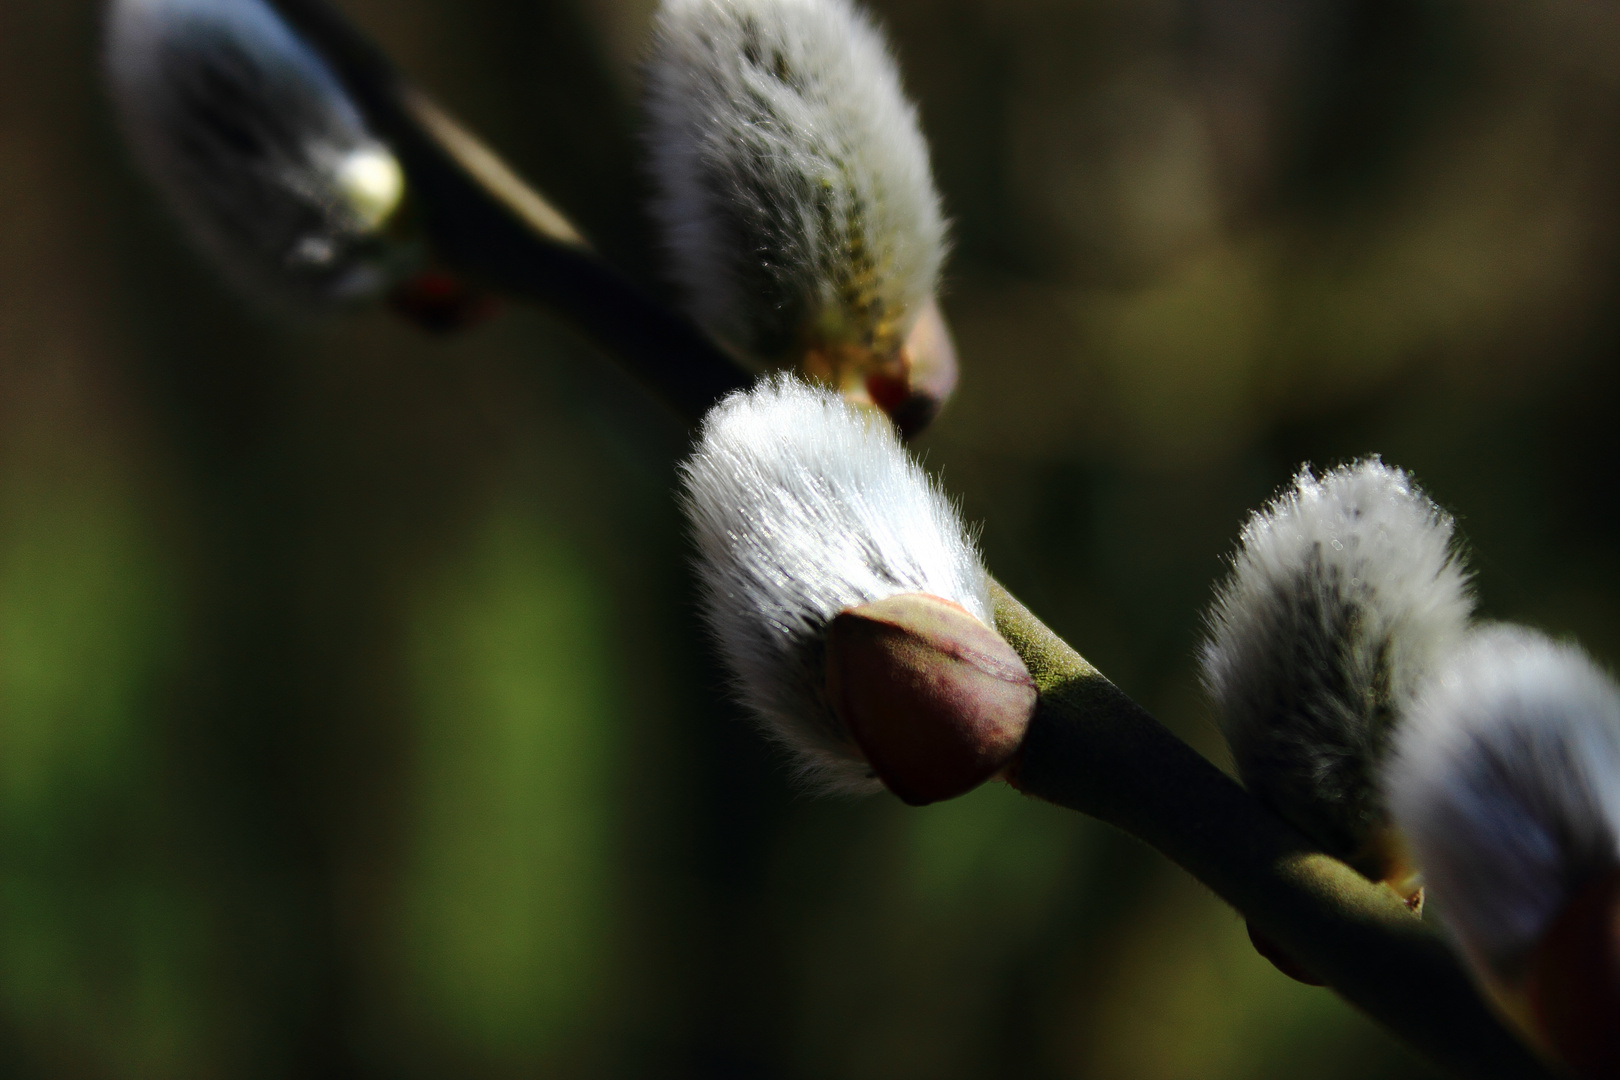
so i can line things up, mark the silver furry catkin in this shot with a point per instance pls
(794, 189)
(1343, 593)
(803, 507)
(257, 148)
(1505, 781)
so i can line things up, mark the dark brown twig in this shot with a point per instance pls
(1092, 749)
(487, 224)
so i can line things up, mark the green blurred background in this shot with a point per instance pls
(354, 720)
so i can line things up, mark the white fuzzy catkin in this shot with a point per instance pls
(803, 506)
(1343, 593)
(794, 190)
(1505, 781)
(256, 147)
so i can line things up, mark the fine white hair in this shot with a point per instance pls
(803, 506)
(256, 147)
(794, 190)
(1344, 591)
(1505, 781)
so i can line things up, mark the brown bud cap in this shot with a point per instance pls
(1573, 985)
(935, 699)
(910, 381)
(440, 302)
(914, 390)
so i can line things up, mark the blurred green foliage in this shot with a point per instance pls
(93, 935)
(354, 719)
(507, 899)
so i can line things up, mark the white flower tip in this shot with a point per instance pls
(1344, 591)
(802, 507)
(795, 193)
(257, 148)
(1505, 781)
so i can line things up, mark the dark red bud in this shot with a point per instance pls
(928, 360)
(440, 303)
(935, 699)
(1574, 982)
(910, 382)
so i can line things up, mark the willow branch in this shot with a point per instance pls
(489, 225)
(1090, 748)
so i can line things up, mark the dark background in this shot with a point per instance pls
(354, 721)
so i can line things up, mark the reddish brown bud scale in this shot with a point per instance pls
(910, 382)
(1573, 985)
(927, 376)
(935, 699)
(440, 303)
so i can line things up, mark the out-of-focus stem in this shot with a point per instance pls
(1092, 749)
(489, 225)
